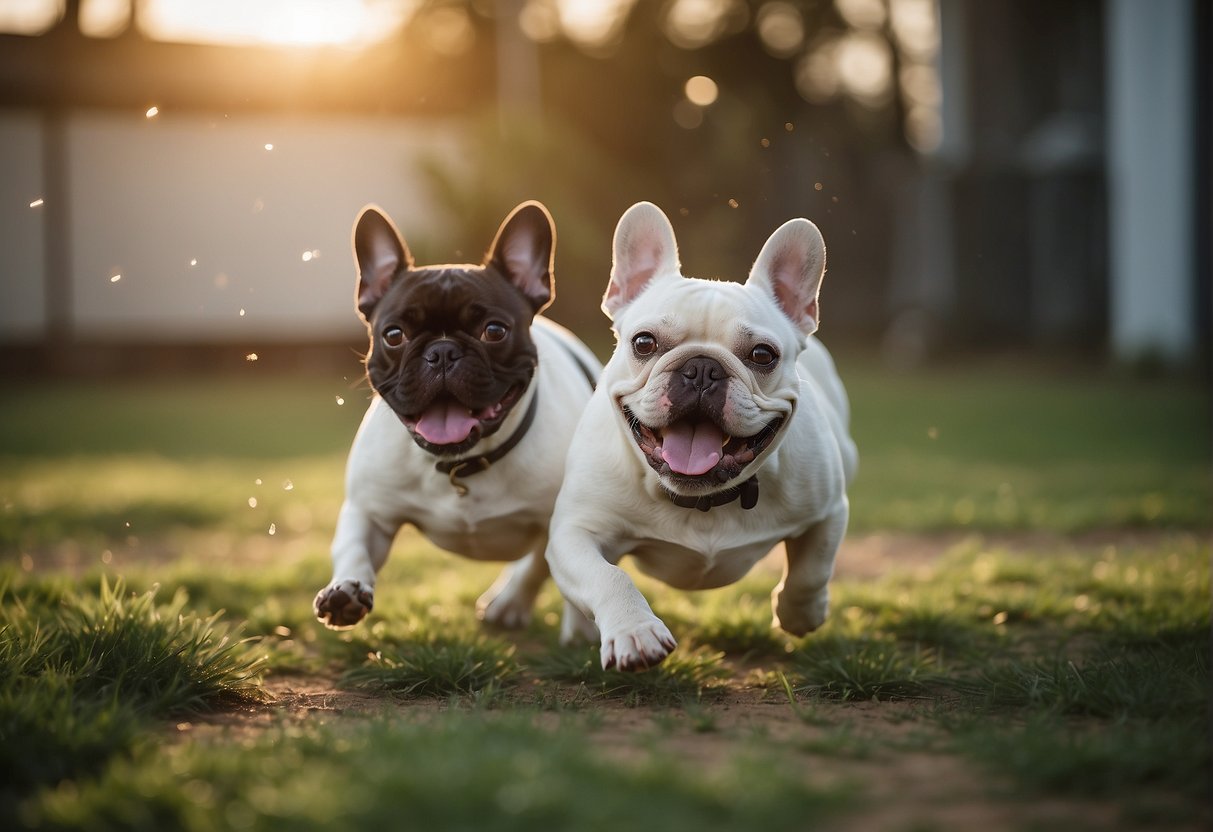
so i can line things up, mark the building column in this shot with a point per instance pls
(1152, 175)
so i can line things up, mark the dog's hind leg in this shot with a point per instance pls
(802, 599)
(508, 602)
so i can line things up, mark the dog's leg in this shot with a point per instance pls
(575, 628)
(802, 598)
(508, 602)
(632, 637)
(360, 548)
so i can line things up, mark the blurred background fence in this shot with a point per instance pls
(178, 179)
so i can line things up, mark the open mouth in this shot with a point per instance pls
(696, 451)
(447, 425)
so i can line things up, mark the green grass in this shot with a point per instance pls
(1071, 662)
(458, 771)
(81, 674)
(1013, 449)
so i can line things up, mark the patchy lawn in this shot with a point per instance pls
(1019, 635)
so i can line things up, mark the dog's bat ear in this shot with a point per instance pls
(790, 268)
(380, 253)
(644, 247)
(524, 252)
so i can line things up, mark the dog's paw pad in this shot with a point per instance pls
(638, 647)
(343, 604)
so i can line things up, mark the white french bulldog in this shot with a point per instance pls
(719, 429)
(476, 401)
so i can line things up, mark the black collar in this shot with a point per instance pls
(466, 467)
(747, 491)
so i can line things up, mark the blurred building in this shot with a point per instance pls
(987, 174)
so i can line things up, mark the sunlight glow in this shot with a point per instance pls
(104, 18)
(29, 17)
(701, 90)
(862, 14)
(691, 24)
(275, 22)
(593, 23)
(865, 67)
(540, 20)
(780, 28)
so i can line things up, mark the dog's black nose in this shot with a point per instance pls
(702, 372)
(442, 353)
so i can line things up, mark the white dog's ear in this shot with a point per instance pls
(380, 253)
(523, 251)
(790, 267)
(644, 246)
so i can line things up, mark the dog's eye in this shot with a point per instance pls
(393, 336)
(494, 331)
(763, 356)
(644, 343)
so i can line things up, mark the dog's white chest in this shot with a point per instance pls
(395, 483)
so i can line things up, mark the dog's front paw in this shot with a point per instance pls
(638, 646)
(799, 618)
(342, 604)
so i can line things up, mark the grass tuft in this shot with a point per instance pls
(861, 669)
(436, 669)
(77, 679)
(685, 676)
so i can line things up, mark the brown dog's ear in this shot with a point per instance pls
(790, 268)
(644, 246)
(524, 251)
(380, 253)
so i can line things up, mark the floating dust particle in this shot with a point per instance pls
(152, 112)
(765, 142)
(817, 186)
(37, 203)
(273, 529)
(287, 485)
(269, 146)
(340, 401)
(252, 356)
(252, 502)
(732, 203)
(115, 278)
(789, 126)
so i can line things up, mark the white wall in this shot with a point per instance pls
(1151, 177)
(22, 312)
(148, 196)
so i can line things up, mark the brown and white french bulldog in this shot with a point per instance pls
(476, 398)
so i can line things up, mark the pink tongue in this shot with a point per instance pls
(691, 449)
(445, 423)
